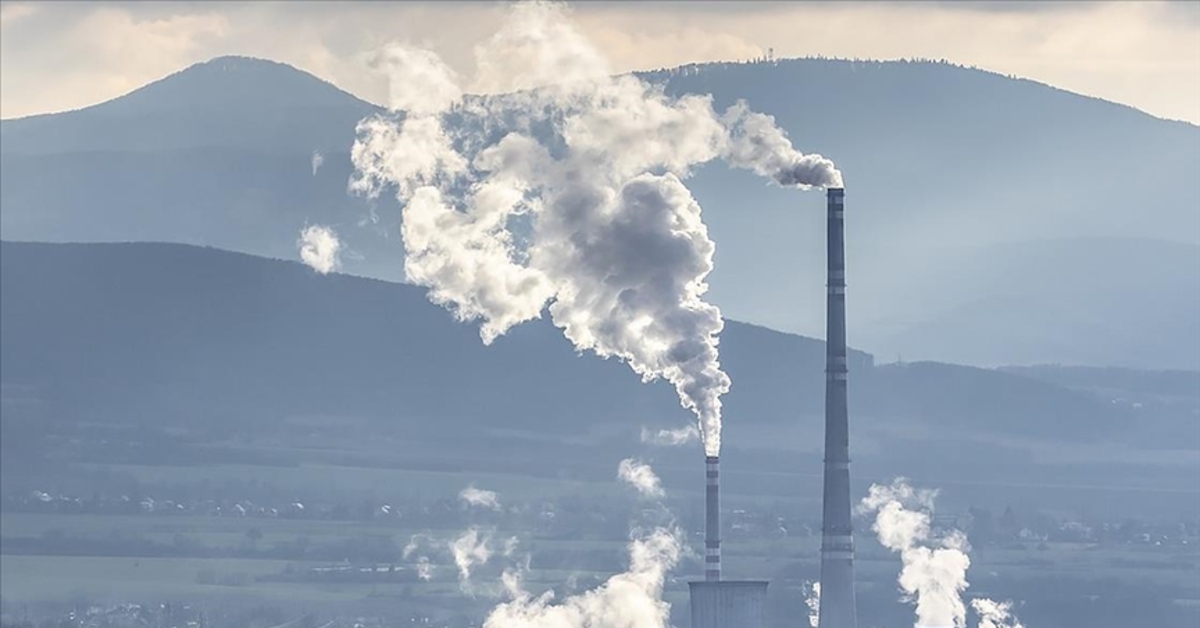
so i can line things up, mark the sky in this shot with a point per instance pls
(57, 56)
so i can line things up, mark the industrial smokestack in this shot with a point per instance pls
(837, 538)
(712, 519)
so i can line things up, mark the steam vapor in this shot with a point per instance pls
(632, 599)
(424, 569)
(320, 249)
(671, 438)
(567, 197)
(813, 602)
(478, 497)
(640, 476)
(934, 573)
(470, 550)
(995, 614)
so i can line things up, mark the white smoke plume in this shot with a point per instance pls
(470, 550)
(320, 248)
(994, 614)
(757, 144)
(479, 497)
(317, 160)
(632, 599)
(934, 573)
(813, 602)
(422, 565)
(671, 438)
(568, 198)
(933, 576)
(424, 569)
(640, 476)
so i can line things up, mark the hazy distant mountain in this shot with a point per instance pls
(171, 354)
(228, 102)
(158, 332)
(957, 179)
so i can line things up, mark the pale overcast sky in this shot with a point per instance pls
(61, 55)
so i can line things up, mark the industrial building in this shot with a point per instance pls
(717, 603)
(838, 607)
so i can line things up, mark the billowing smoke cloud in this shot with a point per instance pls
(671, 438)
(640, 476)
(632, 599)
(320, 248)
(317, 160)
(568, 198)
(934, 575)
(478, 497)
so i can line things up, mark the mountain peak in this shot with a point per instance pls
(239, 62)
(234, 82)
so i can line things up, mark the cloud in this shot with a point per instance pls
(317, 160)
(11, 12)
(68, 55)
(320, 248)
(641, 477)
(478, 497)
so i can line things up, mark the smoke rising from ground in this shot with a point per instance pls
(567, 199)
(632, 599)
(320, 249)
(934, 575)
(995, 614)
(813, 602)
(470, 550)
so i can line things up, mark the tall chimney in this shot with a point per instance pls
(837, 608)
(712, 519)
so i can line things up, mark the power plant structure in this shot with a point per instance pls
(837, 609)
(717, 603)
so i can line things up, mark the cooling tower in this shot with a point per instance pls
(837, 540)
(729, 604)
(712, 519)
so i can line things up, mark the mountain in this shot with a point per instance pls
(173, 354)
(957, 178)
(145, 329)
(227, 102)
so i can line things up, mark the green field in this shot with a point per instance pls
(50, 577)
(382, 483)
